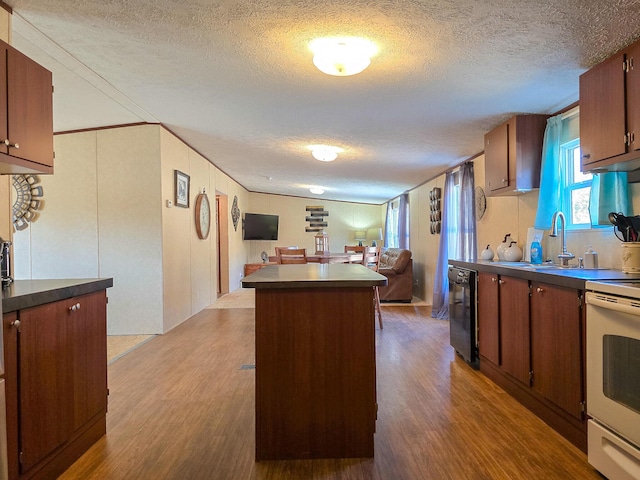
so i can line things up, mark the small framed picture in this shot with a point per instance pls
(182, 189)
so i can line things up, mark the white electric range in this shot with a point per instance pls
(613, 377)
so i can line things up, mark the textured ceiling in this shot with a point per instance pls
(235, 80)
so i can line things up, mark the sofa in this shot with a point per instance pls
(397, 265)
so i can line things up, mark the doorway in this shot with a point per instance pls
(222, 244)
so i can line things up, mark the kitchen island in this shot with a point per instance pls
(54, 339)
(315, 360)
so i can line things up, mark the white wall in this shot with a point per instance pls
(343, 220)
(105, 215)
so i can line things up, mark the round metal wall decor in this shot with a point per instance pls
(28, 200)
(481, 203)
(235, 213)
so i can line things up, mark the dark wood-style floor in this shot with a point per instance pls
(181, 406)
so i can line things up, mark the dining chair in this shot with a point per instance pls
(292, 255)
(354, 249)
(279, 249)
(371, 259)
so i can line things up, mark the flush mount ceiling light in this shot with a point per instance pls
(342, 56)
(316, 190)
(324, 153)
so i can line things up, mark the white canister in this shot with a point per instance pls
(590, 258)
(631, 257)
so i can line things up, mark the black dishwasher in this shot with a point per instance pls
(462, 313)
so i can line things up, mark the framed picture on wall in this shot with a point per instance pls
(182, 189)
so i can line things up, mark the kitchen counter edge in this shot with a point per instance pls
(22, 294)
(570, 277)
(314, 275)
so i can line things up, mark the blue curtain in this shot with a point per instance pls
(549, 200)
(403, 222)
(440, 307)
(609, 193)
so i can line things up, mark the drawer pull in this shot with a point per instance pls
(75, 307)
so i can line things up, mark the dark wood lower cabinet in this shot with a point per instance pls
(514, 327)
(315, 373)
(488, 318)
(57, 359)
(556, 332)
(531, 343)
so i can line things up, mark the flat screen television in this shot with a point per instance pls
(258, 226)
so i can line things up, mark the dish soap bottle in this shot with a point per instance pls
(536, 250)
(590, 258)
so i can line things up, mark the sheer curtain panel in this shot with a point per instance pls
(440, 307)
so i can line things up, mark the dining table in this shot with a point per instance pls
(335, 258)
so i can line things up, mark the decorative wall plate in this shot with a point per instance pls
(203, 216)
(235, 213)
(28, 200)
(481, 203)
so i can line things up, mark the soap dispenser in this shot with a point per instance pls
(590, 258)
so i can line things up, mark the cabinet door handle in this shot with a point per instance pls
(501, 282)
(586, 155)
(539, 290)
(9, 144)
(16, 324)
(75, 307)
(494, 279)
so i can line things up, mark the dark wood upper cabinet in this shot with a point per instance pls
(610, 113)
(513, 153)
(26, 114)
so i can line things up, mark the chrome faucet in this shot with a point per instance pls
(564, 256)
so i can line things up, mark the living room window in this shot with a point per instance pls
(397, 223)
(392, 223)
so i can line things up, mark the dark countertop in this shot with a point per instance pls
(323, 275)
(564, 277)
(23, 294)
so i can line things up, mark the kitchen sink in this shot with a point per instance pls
(527, 265)
(541, 266)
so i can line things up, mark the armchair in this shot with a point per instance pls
(397, 265)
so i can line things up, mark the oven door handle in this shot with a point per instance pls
(616, 304)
